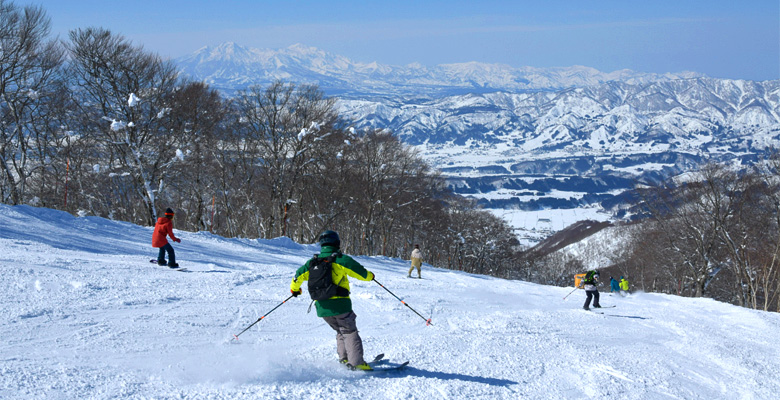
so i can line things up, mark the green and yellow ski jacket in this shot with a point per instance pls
(343, 266)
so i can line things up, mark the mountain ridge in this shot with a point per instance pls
(219, 66)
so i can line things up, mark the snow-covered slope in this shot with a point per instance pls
(84, 315)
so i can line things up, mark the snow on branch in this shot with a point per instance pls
(133, 100)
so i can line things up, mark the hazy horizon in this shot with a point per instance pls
(718, 38)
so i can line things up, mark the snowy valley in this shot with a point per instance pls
(85, 315)
(540, 147)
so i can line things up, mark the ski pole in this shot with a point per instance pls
(427, 321)
(261, 318)
(564, 297)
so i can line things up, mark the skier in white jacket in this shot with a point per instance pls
(416, 261)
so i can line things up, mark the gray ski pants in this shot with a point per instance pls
(348, 342)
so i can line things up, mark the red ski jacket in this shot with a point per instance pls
(163, 228)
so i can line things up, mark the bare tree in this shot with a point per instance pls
(380, 169)
(766, 263)
(654, 264)
(122, 93)
(197, 113)
(282, 123)
(29, 66)
(690, 216)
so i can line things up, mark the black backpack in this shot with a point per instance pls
(321, 286)
(590, 277)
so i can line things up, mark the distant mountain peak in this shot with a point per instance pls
(226, 45)
(302, 48)
(223, 52)
(231, 66)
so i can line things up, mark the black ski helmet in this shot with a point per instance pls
(329, 238)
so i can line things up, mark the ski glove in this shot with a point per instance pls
(178, 240)
(296, 293)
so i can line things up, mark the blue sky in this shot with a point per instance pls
(723, 39)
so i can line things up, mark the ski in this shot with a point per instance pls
(378, 359)
(380, 364)
(591, 310)
(390, 368)
(595, 309)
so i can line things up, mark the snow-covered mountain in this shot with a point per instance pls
(84, 315)
(600, 118)
(580, 146)
(529, 139)
(230, 66)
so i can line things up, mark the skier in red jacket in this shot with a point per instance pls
(163, 228)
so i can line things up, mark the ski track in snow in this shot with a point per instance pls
(85, 315)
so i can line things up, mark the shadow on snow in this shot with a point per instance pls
(626, 316)
(411, 371)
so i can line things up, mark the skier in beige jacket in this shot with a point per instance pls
(416, 261)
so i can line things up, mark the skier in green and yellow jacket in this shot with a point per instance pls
(330, 291)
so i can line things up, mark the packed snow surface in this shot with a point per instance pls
(84, 315)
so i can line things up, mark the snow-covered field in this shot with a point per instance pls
(532, 227)
(84, 315)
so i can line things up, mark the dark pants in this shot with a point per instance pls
(171, 255)
(349, 346)
(592, 294)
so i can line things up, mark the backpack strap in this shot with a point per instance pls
(340, 291)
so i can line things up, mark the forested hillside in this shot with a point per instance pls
(710, 233)
(96, 125)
